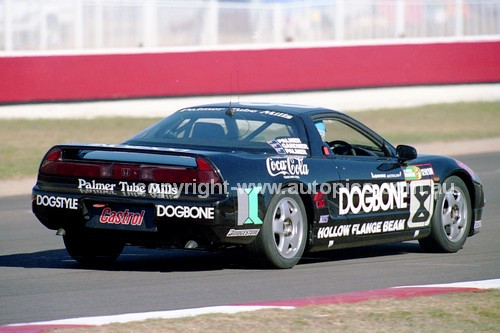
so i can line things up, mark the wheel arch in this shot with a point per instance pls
(465, 177)
(265, 252)
(307, 200)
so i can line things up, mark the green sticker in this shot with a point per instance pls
(248, 206)
(412, 173)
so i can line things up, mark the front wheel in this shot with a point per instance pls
(282, 240)
(90, 250)
(452, 218)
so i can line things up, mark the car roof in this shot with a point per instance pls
(293, 109)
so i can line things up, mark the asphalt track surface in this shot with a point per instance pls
(39, 281)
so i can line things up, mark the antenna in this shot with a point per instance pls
(230, 110)
(230, 87)
(238, 84)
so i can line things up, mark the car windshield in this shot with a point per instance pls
(213, 128)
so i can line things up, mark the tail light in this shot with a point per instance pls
(53, 164)
(206, 173)
(50, 161)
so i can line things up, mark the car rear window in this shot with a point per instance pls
(213, 128)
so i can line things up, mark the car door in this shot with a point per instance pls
(372, 200)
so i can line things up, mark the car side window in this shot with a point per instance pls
(347, 140)
(266, 131)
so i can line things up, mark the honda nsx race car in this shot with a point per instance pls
(277, 180)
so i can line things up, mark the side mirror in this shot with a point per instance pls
(406, 153)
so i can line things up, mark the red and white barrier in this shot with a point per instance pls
(30, 78)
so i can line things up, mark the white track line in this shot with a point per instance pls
(124, 318)
(484, 284)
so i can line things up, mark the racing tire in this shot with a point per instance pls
(451, 221)
(93, 251)
(282, 239)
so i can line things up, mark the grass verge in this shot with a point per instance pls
(459, 312)
(442, 122)
(23, 142)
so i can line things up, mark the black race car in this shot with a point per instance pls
(275, 179)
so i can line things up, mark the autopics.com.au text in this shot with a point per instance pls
(334, 189)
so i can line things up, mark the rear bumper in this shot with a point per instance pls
(142, 221)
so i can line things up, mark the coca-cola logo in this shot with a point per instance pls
(288, 167)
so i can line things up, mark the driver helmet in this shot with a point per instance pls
(320, 126)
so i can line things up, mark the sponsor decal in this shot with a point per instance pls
(371, 198)
(427, 172)
(56, 202)
(246, 110)
(163, 188)
(242, 232)
(93, 185)
(319, 199)
(385, 175)
(121, 217)
(203, 109)
(359, 229)
(378, 227)
(291, 146)
(277, 114)
(248, 206)
(185, 212)
(288, 167)
(277, 147)
(165, 196)
(478, 224)
(264, 112)
(412, 172)
(133, 187)
(323, 219)
(335, 231)
(417, 172)
(421, 203)
(159, 190)
(390, 196)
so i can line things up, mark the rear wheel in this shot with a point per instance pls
(282, 240)
(452, 218)
(91, 250)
